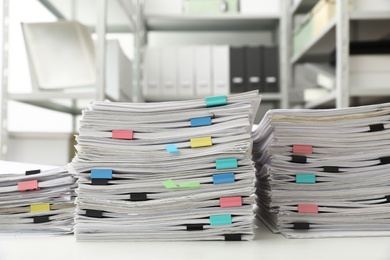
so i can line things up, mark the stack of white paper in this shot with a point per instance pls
(324, 173)
(166, 171)
(37, 201)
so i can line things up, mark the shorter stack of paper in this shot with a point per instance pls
(37, 202)
(166, 171)
(323, 173)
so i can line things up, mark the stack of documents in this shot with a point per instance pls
(166, 171)
(37, 201)
(323, 173)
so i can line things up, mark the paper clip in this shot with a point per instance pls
(215, 101)
(28, 185)
(302, 149)
(226, 163)
(218, 220)
(122, 134)
(201, 142)
(39, 207)
(200, 121)
(228, 202)
(307, 208)
(223, 178)
(305, 178)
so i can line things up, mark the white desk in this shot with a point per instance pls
(266, 246)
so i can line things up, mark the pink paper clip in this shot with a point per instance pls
(302, 149)
(122, 134)
(28, 185)
(229, 202)
(307, 208)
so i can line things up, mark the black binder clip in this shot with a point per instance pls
(32, 172)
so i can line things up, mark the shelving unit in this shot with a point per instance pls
(336, 35)
(275, 23)
(102, 18)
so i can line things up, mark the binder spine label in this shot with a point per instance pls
(226, 163)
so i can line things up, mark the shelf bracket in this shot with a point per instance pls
(4, 29)
(342, 54)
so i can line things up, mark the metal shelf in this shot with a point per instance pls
(222, 22)
(119, 16)
(326, 101)
(367, 95)
(322, 44)
(364, 15)
(302, 6)
(55, 100)
(158, 98)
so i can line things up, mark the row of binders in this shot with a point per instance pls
(369, 64)
(37, 202)
(199, 71)
(324, 173)
(166, 171)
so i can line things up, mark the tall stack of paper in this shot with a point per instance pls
(37, 202)
(324, 173)
(166, 171)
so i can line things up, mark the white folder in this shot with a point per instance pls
(152, 79)
(203, 70)
(186, 69)
(221, 73)
(169, 72)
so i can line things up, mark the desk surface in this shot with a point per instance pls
(265, 246)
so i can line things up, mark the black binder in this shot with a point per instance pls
(237, 70)
(254, 75)
(271, 69)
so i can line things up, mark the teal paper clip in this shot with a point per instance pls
(101, 174)
(305, 178)
(218, 220)
(215, 101)
(200, 121)
(226, 163)
(171, 148)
